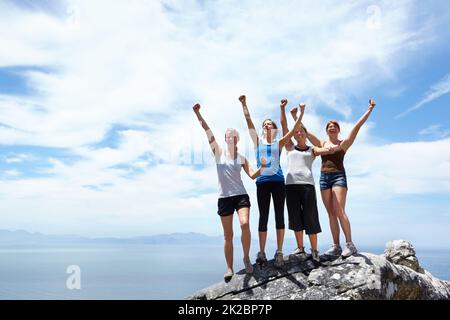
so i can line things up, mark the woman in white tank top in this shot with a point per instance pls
(301, 198)
(232, 193)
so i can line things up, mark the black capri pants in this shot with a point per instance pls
(263, 192)
(301, 203)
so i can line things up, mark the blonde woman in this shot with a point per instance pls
(232, 193)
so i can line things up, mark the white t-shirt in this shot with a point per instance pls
(229, 174)
(299, 166)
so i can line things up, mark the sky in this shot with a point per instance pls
(98, 137)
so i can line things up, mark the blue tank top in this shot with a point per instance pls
(272, 172)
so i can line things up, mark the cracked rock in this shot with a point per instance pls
(364, 276)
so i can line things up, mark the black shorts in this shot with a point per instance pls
(226, 206)
(301, 203)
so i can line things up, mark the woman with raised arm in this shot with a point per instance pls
(270, 182)
(333, 181)
(232, 193)
(301, 197)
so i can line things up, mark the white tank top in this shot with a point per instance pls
(299, 166)
(229, 174)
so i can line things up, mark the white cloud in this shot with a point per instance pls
(435, 131)
(18, 158)
(132, 59)
(436, 91)
(142, 66)
(403, 168)
(12, 173)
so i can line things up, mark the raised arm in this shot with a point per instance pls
(249, 170)
(296, 127)
(284, 126)
(250, 125)
(212, 141)
(311, 137)
(283, 119)
(347, 142)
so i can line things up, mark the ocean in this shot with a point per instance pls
(135, 271)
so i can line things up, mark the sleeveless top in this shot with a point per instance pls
(229, 176)
(272, 172)
(300, 166)
(333, 162)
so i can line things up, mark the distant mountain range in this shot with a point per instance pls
(25, 238)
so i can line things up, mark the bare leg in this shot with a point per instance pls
(244, 217)
(280, 239)
(227, 224)
(299, 238)
(327, 198)
(313, 241)
(339, 197)
(262, 240)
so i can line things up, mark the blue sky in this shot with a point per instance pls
(97, 135)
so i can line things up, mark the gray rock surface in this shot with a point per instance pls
(394, 275)
(403, 253)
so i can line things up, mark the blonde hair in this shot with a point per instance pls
(233, 131)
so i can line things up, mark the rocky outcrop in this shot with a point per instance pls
(402, 253)
(394, 275)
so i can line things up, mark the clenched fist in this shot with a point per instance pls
(294, 111)
(372, 104)
(302, 107)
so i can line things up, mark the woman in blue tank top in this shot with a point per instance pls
(271, 181)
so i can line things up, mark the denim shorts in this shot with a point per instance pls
(329, 180)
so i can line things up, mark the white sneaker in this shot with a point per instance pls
(248, 266)
(300, 252)
(335, 250)
(228, 275)
(349, 250)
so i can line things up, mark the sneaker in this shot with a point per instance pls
(315, 255)
(349, 250)
(248, 266)
(335, 250)
(300, 252)
(279, 260)
(228, 275)
(261, 258)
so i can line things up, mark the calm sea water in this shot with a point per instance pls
(134, 272)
